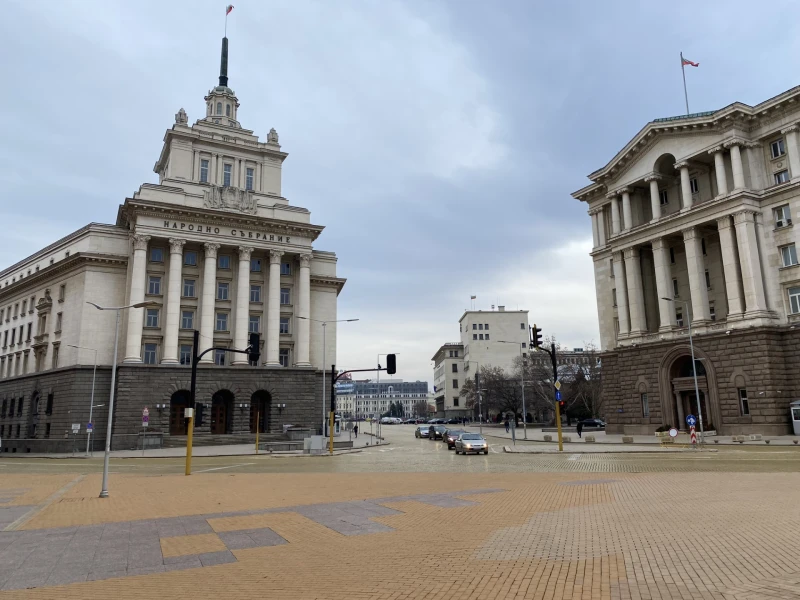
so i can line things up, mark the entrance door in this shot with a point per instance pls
(219, 418)
(259, 411)
(177, 407)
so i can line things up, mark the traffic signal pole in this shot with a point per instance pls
(536, 341)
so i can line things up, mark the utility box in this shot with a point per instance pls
(795, 408)
(314, 444)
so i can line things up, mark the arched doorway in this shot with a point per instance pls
(221, 412)
(178, 404)
(259, 411)
(677, 383)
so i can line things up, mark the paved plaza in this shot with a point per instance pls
(375, 524)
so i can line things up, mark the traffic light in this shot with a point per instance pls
(561, 404)
(254, 350)
(536, 336)
(391, 364)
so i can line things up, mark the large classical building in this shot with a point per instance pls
(693, 223)
(213, 247)
(370, 399)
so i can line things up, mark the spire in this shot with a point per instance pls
(223, 65)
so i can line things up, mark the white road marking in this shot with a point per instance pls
(220, 468)
(574, 457)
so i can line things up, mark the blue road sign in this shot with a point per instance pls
(691, 421)
(558, 395)
(89, 427)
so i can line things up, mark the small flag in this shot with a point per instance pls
(228, 9)
(686, 61)
(472, 297)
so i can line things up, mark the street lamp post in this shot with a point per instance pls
(91, 402)
(522, 384)
(324, 346)
(694, 364)
(118, 309)
(480, 397)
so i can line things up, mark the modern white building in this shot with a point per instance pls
(215, 247)
(448, 378)
(693, 221)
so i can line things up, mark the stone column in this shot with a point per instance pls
(274, 308)
(196, 165)
(242, 305)
(633, 270)
(303, 310)
(257, 184)
(173, 305)
(626, 209)
(666, 312)
(752, 278)
(686, 185)
(208, 301)
(655, 199)
(701, 315)
(212, 175)
(730, 267)
(595, 236)
(622, 295)
(614, 214)
(736, 164)
(793, 150)
(681, 424)
(719, 170)
(755, 160)
(601, 225)
(133, 347)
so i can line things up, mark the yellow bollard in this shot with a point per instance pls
(190, 430)
(558, 424)
(257, 428)
(330, 432)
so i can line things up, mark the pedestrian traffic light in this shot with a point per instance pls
(391, 364)
(254, 350)
(536, 336)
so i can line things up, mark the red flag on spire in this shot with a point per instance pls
(228, 9)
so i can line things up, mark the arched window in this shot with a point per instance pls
(219, 108)
(227, 110)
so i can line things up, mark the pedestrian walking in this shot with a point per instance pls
(507, 426)
(355, 430)
(579, 427)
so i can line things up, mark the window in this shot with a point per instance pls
(154, 285)
(777, 148)
(5, 339)
(284, 325)
(254, 325)
(33, 303)
(486, 327)
(675, 289)
(255, 293)
(30, 330)
(712, 311)
(663, 197)
(487, 336)
(693, 185)
(782, 216)
(781, 177)
(248, 180)
(286, 269)
(455, 368)
(186, 354)
(62, 292)
(24, 306)
(49, 409)
(523, 346)
(474, 336)
(204, 170)
(227, 110)
(788, 255)
(59, 321)
(226, 175)
(255, 265)
(47, 430)
(222, 322)
(219, 357)
(455, 353)
(190, 258)
(708, 279)
(157, 255)
(285, 298)
(55, 357)
(219, 108)
(188, 288)
(149, 354)
(645, 406)
(614, 297)
(794, 300)
(480, 326)
(455, 402)
(455, 384)
(672, 256)
(152, 317)
(224, 262)
(480, 336)
(744, 405)
(475, 326)
(703, 245)
(222, 290)
(679, 318)
(522, 325)
(13, 336)
(283, 357)
(187, 319)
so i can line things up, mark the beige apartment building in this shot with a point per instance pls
(693, 221)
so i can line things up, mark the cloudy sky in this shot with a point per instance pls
(437, 141)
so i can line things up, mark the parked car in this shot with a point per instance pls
(436, 422)
(471, 442)
(593, 424)
(450, 436)
(435, 432)
(454, 421)
(422, 431)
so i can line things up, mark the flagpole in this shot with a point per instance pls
(685, 94)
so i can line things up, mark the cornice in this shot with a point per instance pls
(328, 281)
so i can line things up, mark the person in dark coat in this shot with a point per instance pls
(355, 430)
(506, 424)
(579, 427)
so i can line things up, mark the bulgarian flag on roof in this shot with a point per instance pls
(686, 61)
(228, 9)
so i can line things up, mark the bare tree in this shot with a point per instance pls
(589, 384)
(501, 392)
(421, 408)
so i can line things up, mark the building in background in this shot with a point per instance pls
(448, 377)
(693, 221)
(370, 399)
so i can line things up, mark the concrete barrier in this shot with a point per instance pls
(548, 438)
(627, 439)
(590, 439)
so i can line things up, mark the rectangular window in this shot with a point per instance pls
(455, 384)
(777, 148)
(672, 256)
(286, 269)
(474, 336)
(16, 310)
(693, 185)
(255, 293)
(49, 407)
(486, 327)
(222, 290)
(679, 318)
(62, 292)
(284, 325)
(187, 319)
(455, 353)
(227, 170)
(188, 288)
(708, 279)
(154, 285)
(744, 405)
(614, 297)
(675, 289)
(30, 330)
(794, 300)
(663, 197)
(487, 336)
(190, 258)
(645, 406)
(283, 357)
(480, 326)
(782, 216)
(203, 170)
(255, 265)
(59, 322)
(24, 306)
(781, 177)
(455, 368)
(157, 255)
(186, 354)
(222, 322)
(249, 177)
(703, 245)
(788, 255)
(219, 357)
(13, 336)
(480, 336)
(55, 357)
(522, 325)
(712, 312)
(455, 402)
(254, 325)
(285, 297)
(149, 354)
(224, 262)
(152, 317)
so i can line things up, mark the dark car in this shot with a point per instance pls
(435, 432)
(454, 421)
(450, 436)
(593, 424)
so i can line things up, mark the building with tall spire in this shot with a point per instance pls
(212, 247)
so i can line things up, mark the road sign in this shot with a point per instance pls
(76, 427)
(673, 433)
(145, 417)
(89, 427)
(558, 384)
(693, 435)
(558, 395)
(691, 421)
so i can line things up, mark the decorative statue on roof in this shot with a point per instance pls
(181, 118)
